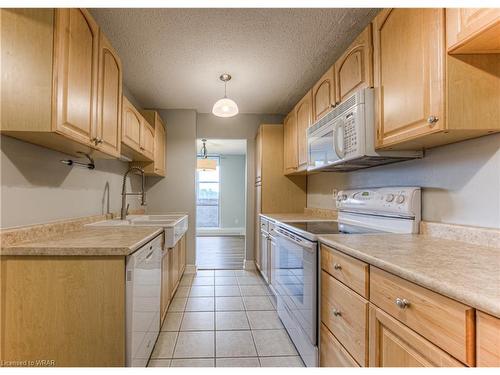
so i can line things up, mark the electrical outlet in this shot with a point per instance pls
(335, 192)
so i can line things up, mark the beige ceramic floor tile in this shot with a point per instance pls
(205, 273)
(294, 361)
(203, 281)
(200, 304)
(229, 304)
(237, 362)
(164, 345)
(250, 280)
(258, 303)
(264, 320)
(234, 344)
(202, 291)
(159, 363)
(172, 322)
(226, 280)
(193, 362)
(195, 345)
(254, 290)
(224, 273)
(197, 321)
(227, 291)
(273, 343)
(231, 320)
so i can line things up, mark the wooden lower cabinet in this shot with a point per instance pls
(487, 340)
(392, 344)
(332, 353)
(172, 268)
(165, 284)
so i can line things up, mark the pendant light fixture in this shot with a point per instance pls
(225, 107)
(205, 163)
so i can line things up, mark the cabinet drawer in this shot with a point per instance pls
(488, 340)
(350, 271)
(345, 314)
(443, 321)
(331, 353)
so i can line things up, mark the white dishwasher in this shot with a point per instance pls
(143, 290)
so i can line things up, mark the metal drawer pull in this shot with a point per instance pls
(336, 312)
(337, 266)
(402, 303)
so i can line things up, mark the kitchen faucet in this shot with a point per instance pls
(123, 213)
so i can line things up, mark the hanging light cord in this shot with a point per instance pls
(204, 152)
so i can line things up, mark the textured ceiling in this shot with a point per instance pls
(224, 146)
(172, 58)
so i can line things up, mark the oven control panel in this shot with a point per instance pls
(399, 201)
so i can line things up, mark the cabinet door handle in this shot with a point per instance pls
(337, 266)
(336, 312)
(432, 120)
(402, 303)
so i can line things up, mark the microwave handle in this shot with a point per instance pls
(336, 131)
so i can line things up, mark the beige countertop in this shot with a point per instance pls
(464, 272)
(87, 241)
(296, 217)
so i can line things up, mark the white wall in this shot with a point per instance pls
(36, 187)
(243, 126)
(461, 182)
(176, 192)
(232, 191)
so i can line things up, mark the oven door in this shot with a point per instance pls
(295, 279)
(321, 149)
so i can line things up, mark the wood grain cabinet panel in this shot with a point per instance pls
(332, 353)
(109, 99)
(323, 95)
(345, 314)
(348, 270)
(147, 140)
(158, 166)
(473, 30)
(131, 126)
(165, 284)
(304, 116)
(444, 322)
(392, 344)
(354, 69)
(408, 73)
(76, 46)
(290, 145)
(487, 340)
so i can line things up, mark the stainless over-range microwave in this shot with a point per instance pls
(344, 139)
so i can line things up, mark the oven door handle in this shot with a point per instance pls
(307, 245)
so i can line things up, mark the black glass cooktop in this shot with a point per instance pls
(316, 227)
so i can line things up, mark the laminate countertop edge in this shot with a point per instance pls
(479, 288)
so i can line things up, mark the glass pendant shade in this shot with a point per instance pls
(206, 164)
(225, 107)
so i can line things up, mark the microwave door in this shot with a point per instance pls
(338, 139)
(321, 152)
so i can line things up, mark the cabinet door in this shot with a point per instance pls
(392, 344)
(408, 73)
(323, 94)
(160, 141)
(76, 46)
(264, 254)
(354, 69)
(290, 143)
(488, 340)
(183, 255)
(332, 353)
(109, 99)
(147, 140)
(258, 197)
(171, 281)
(131, 126)
(258, 156)
(473, 30)
(165, 284)
(303, 114)
(175, 264)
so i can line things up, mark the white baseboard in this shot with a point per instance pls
(249, 265)
(206, 232)
(190, 268)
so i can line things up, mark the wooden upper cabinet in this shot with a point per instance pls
(392, 344)
(109, 99)
(323, 95)
(304, 116)
(473, 30)
(76, 46)
(147, 140)
(158, 166)
(409, 62)
(290, 143)
(354, 69)
(160, 142)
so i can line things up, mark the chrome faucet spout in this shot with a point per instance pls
(124, 209)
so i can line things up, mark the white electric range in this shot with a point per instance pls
(295, 264)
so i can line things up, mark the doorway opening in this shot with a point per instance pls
(221, 195)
